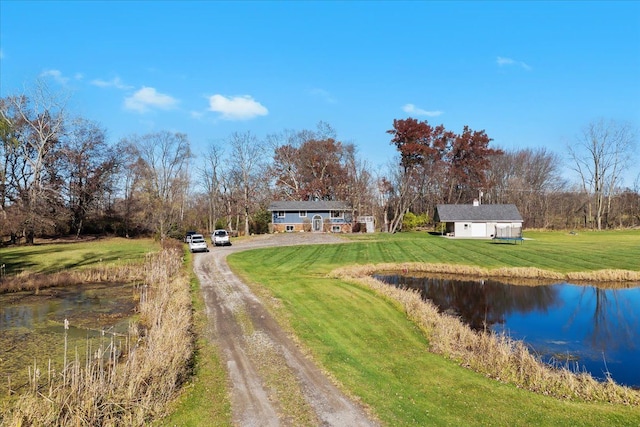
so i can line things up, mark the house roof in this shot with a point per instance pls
(471, 213)
(320, 205)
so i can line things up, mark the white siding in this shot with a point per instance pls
(478, 229)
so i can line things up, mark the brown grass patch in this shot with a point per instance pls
(496, 356)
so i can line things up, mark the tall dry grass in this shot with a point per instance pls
(496, 356)
(113, 387)
(606, 277)
(29, 281)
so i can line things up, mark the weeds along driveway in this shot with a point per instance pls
(271, 382)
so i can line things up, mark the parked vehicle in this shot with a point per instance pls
(198, 244)
(187, 237)
(220, 238)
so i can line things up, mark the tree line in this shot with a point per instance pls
(61, 176)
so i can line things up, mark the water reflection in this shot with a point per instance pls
(584, 327)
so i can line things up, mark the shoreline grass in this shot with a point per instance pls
(377, 353)
(532, 276)
(496, 356)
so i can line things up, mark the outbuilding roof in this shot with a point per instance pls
(477, 213)
(319, 205)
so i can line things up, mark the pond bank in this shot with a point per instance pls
(582, 328)
(495, 356)
(529, 276)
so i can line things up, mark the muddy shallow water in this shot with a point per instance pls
(32, 326)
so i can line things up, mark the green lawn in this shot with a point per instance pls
(50, 258)
(378, 355)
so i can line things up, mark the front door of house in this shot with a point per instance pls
(317, 223)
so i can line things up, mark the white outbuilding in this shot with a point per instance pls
(480, 221)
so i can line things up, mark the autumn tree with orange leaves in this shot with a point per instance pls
(314, 170)
(457, 162)
(437, 163)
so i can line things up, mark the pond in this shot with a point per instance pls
(32, 326)
(584, 328)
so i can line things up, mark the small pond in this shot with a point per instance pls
(32, 325)
(584, 328)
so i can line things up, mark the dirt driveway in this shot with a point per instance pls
(271, 382)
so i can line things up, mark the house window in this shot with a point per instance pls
(303, 214)
(336, 214)
(280, 214)
(289, 228)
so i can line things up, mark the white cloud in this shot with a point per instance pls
(236, 108)
(55, 75)
(501, 61)
(147, 98)
(114, 82)
(412, 109)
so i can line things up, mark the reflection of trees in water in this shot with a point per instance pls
(615, 322)
(480, 303)
(590, 325)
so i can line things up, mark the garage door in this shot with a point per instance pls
(478, 229)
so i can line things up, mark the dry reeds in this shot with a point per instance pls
(28, 281)
(605, 277)
(116, 385)
(496, 356)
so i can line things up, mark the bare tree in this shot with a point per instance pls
(359, 191)
(248, 167)
(212, 180)
(601, 154)
(399, 190)
(526, 178)
(40, 117)
(90, 167)
(164, 159)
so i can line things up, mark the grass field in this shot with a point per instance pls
(370, 346)
(366, 341)
(55, 257)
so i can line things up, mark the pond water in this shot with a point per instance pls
(584, 328)
(32, 325)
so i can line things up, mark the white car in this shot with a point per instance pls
(198, 244)
(220, 238)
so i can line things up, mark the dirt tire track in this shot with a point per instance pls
(249, 339)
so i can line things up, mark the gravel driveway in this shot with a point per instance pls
(271, 382)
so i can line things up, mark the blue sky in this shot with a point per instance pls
(530, 74)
